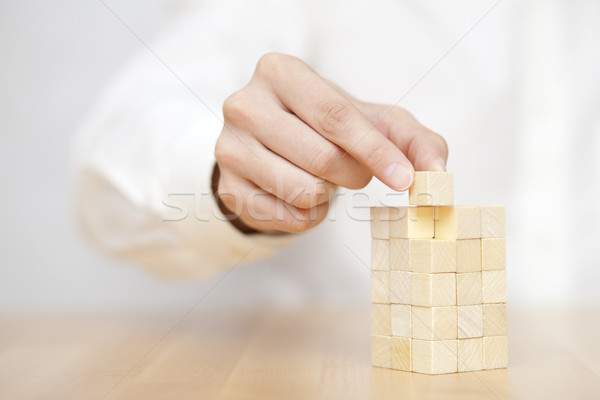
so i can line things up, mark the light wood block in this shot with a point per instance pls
(434, 323)
(431, 290)
(493, 286)
(380, 254)
(458, 222)
(399, 255)
(493, 220)
(470, 354)
(432, 189)
(434, 356)
(399, 287)
(381, 319)
(493, 253)
(494, 319)
(401, 353)
(411, 222)
(381, 354)
(428, 255)
(468, 255)
(468, 288)
(495, 352)
(380, 287)
(470, 321)
(401, 320)
(380, 222)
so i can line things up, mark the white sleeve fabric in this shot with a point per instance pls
(144, 157)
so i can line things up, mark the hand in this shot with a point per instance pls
(291, 137)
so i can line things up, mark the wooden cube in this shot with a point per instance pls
(493, 221)
(411, 222)
(470, 354)
(428, 255)
(431, 290)
(432, 188)
(468, 255)
(380, 222)
(399, 287)
(468, 288)
(381, 319)
(381, 354)
(434, 356)
(458, 222)
(493, 285)
(401, 320)
(380, 254)
(380, 287)
(493, 253)
(470, 321)
(495, 352)
(494, 319)
(401, 353)
(399, 256)
(434, 323)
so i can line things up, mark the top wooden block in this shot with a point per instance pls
(493, 220)
(380, 222)
(431, 188)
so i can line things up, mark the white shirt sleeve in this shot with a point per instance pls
(144, 157)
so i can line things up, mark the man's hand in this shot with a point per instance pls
(291, 137)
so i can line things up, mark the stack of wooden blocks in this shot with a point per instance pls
(438, 282)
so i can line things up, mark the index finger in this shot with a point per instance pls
(332, 115)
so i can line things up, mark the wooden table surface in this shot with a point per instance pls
(276, 354)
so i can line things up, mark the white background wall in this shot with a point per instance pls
(57, 56)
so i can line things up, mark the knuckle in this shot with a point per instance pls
(440, 142)
(333, 117)
(323, 161)
(271, 64)
(312, 195)
(223, 152)
(377, 155)
(230, 196)
(236, 108)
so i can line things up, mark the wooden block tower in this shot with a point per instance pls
(438, 282)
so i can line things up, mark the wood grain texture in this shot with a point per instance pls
(470, 354)
(458, 222)
(494, 319)
(493, 221)
(401, 320)
(432, 188)
(381, 351)
(381, 319)
(380, 254)
(493, 254)
(495, 352)
(468, 255)
(468, 288)
(401, 349)
(411, 222)
(380, 287)
(380, 222)
(470, 321)
(239, 353)
(399, 256)
(493, 285)
(399, 287)
(434, 323)
(432, 256)
(434, 356)
(432, 290)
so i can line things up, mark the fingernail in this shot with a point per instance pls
(438, 165)
(398, 176)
